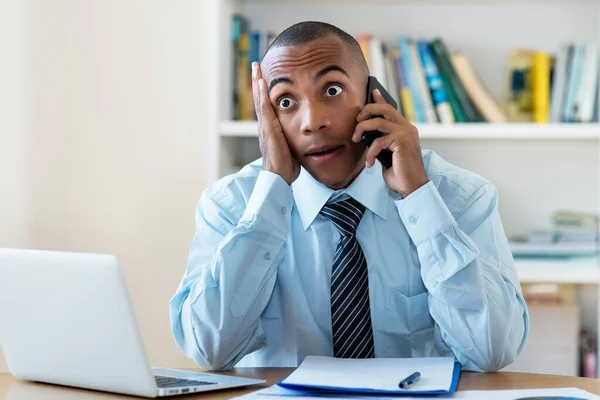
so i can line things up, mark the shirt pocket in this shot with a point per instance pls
(407, 314)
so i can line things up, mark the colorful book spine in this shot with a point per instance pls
(541, 87)
(236, 31)
(434, 81)
(557, 95)
(459, 114)
(364, 41)
(405, 96)
(589, 84)
(517, 103)
(392, 77)
(476, 90)
(426, 100)
(443, 59)
(254, 56)
(411, 79)
(570, 109)
(244, 77)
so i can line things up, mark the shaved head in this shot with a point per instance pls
(308, 31)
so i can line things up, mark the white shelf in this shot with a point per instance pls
(464, 131)
(238, 128)
(433, 2)
(577, 271)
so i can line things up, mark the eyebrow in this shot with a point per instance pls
(328, 69)
(280, 80)
(318, 76)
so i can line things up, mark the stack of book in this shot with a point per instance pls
(574, 235)
(543, 87)
(248, 46)
(434, 85)
(431, 84)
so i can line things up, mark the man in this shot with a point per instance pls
(316, 249)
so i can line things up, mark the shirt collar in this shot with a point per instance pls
(368, 188)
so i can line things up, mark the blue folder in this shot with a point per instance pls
(320, 389)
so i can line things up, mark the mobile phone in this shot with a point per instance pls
(385, 155)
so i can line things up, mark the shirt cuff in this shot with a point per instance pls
(424, 213)
(272, 201)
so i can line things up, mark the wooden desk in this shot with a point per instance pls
(13, 389)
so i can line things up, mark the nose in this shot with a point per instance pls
(315, 118)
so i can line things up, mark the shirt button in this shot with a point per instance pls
(267, 256)
(283, 210)
(412, 220)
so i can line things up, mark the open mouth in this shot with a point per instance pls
(325, 155)
(324, 152)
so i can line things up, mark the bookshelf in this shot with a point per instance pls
(584, 272)
(537, 168)
(510, 131)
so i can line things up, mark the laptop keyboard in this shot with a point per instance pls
(169, 382)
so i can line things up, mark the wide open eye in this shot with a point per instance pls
(333, 90)
(286, 102)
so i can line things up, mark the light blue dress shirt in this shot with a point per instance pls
(442, 281)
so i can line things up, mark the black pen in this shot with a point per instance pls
(409, 381)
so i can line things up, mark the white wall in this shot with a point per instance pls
(13, 128)
(134, 143)
(115, 163)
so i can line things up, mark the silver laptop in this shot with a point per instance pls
(66, 318)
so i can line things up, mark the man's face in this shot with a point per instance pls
(317, 91)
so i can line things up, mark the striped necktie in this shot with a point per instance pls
(350, 308)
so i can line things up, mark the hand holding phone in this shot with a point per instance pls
(385, 155)
(392, 140)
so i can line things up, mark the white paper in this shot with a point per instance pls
(374, 373)
(273, 392)
(524, 393)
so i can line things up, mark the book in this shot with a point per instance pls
(364, 41)
(377, 62)
(540, 87)
(478, 93)
(434, 81)
(557, 94)
(411, 80)
(238, 23)
(244, 79)
(575, 219)
(442, 57)
(392, 78)
(571, 106)
(554, 250)
(428, 110)
(457, 110)
(405, 95)
(518, 97)
(589, 83)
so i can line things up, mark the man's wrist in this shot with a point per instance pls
(271, 200)
(405, 192)
(424, 213)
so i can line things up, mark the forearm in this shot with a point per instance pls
(481, 315)
(215, 314)
(475, 297)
